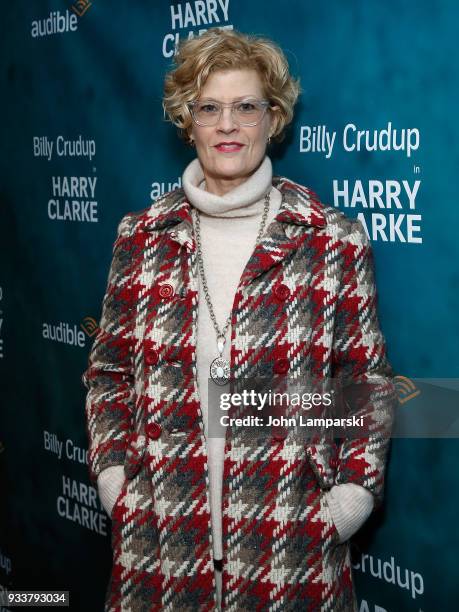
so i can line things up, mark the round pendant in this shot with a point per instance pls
(220, 371)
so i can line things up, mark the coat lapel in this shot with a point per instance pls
(279, 241)
(299, 207)
(172, 215)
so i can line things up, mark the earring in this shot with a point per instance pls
(191, 141)
(269, 139)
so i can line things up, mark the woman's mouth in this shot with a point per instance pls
(229, 147)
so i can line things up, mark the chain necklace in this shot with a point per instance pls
(220, 367)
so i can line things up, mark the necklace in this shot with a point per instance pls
(220, 367)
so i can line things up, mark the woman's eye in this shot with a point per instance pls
(246, 107)
(208, 108)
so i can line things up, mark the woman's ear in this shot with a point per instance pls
(274, 110)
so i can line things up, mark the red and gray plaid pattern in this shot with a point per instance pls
(281, 548)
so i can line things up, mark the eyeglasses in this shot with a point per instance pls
(247, 112)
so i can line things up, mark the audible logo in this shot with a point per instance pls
(63, 332)
(406, 389)
(70, 334)
(81, 7)
(89, 326)
(160, 188)
(54, 24)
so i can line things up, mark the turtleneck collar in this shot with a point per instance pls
(243, 201)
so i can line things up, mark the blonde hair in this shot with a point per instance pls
(219, 49)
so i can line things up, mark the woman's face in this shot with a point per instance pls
(229, 153)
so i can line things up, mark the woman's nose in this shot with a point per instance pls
(226, 121)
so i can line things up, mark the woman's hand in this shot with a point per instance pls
(109, 483)
(350, 505)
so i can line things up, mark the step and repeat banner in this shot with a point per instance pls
(84, 141)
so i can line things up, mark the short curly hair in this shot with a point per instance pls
(219, 49)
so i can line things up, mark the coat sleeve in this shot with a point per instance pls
(109, 377)
(361, 369)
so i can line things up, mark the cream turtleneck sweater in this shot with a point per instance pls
(229, 226)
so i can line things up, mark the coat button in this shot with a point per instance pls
(153, 430)
(151, 358)
(166, 290)
(281, 366)
(281, 291)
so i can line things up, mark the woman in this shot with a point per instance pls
(236, 274)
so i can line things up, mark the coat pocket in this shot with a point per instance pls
(322, 459)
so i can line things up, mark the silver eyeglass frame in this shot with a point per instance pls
(264, 103)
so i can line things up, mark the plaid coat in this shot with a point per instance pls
(308, 291)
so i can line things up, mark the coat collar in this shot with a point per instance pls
(300, 206)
